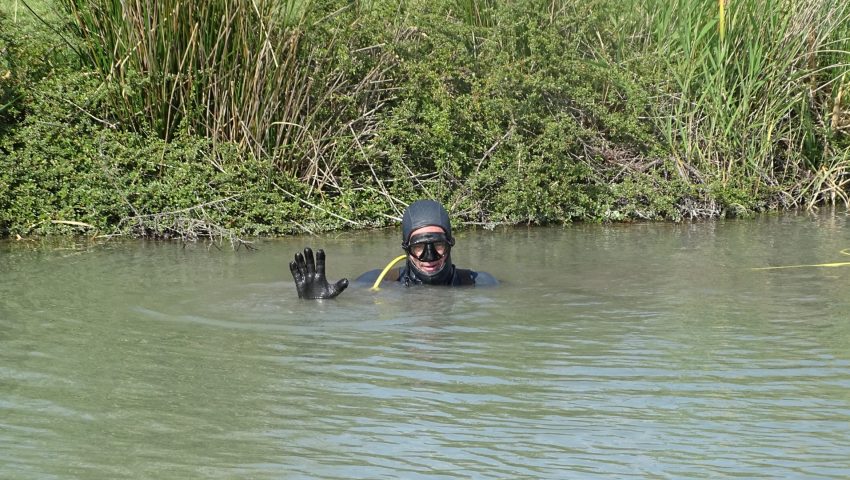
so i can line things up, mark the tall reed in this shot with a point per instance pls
(238, 71)
(479, 13)
(751, 84)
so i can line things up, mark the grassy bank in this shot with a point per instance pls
(221, 118)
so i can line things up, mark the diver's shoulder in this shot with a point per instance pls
(484, 279)
(372, 275)
(368, 277)
(465, 276)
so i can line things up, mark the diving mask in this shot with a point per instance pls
(428, 247)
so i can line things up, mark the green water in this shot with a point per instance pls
(642, 351)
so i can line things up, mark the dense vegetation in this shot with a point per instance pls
(237, 117)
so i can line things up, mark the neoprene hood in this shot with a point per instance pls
(424, 213)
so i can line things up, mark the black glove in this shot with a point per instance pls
(310, 280)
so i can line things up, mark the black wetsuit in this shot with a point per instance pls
(426, 238)
(434, 244)
(459, 277)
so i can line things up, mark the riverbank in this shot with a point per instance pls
(335, 116)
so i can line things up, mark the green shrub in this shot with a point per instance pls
(509, 112)
(509, 122)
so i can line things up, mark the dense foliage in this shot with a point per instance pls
(219, 118)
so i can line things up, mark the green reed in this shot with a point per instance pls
(754, 92)
(753, 82)
(233, 70)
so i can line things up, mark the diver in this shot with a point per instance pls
(427, 241)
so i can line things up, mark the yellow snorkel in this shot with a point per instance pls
(383, 274)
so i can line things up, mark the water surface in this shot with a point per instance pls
(609, 351)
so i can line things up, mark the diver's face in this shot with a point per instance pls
(428, 249)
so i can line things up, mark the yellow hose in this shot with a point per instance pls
(846, 251)
(384, 272)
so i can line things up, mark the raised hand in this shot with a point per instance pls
(309, 276)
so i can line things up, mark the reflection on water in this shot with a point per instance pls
(647, 351)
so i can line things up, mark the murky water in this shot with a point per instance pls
(644, 351)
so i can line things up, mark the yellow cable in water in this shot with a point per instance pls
(386, 269)
(846, 251)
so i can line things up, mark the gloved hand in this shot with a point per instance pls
(309, 275)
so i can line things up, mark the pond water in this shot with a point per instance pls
(609, 351)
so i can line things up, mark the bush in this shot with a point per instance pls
(509, 122)
(508, 112)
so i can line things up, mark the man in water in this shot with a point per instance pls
(426, 239)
